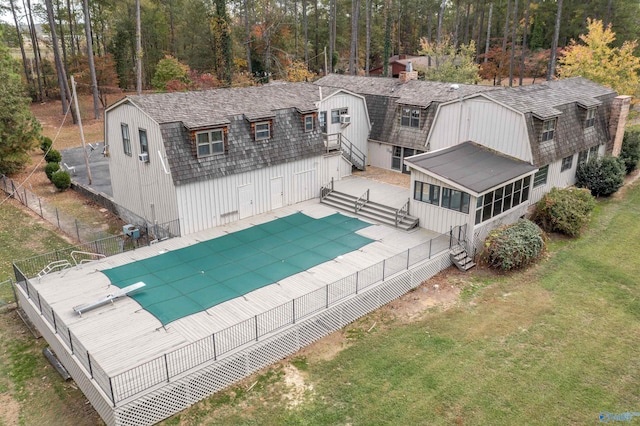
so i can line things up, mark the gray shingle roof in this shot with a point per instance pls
(472, 166)
(218, 106)
(543, 99)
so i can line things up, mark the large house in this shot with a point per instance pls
(213, 157)
(482, 155)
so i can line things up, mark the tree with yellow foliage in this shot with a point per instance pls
(595, 59)
(298, 71)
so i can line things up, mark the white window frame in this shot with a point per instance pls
(548, 130)
(214, 146)
(263, 134)
(410, 117)
(590, 121)
(308, 123)
(567, 163)
(541, 176)
(144, 146)
(126, 139)
(337, 113)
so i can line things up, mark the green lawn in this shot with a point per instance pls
(556, 344)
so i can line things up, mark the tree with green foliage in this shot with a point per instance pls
(602, 176)
(513, 246)
(169, 69)
(630, 152)
(451, 64)
(61, 179)
(596, 59)
(19, 129)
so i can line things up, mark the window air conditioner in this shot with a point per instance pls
(345, 119)
(144, 157)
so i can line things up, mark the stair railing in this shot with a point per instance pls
(402, 212)
(352, 152)
(362, 200)
(332, 141)
(325, 191)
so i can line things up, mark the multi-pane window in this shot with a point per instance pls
(455, 200)
(263, 131)
(144, 144)
(396, 158)
(210, 142)
(323, 121)
(336, 113)
(591, 118)
(410, 117)
(593, 151)
(567, 162)
(540, 177)
(426, 193)
(126, 140)
(308, 123)
(502, 199)
(548, 129)
(582, 156)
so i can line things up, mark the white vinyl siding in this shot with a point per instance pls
(357, 132)
(474, 121)
(210, 203)
(144, 189)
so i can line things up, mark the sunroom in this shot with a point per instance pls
(469, 184)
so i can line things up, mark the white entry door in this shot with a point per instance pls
(277, 193)
(246, 206)
(305, 185)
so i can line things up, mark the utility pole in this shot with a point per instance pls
(138, 50)
(86, 157)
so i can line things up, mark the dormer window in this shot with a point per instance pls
(548, 130)
(410, 117)
(263, 131)
(210, 142)
(590, 121)
(308, 123)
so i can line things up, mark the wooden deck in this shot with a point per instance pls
(123, 335)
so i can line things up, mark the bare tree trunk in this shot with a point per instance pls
(92, 66)
(486, 46)
(27, 74)
(296, 47)
(34, 45)
(65, 94)
(317, 49)
(457, 27)
(305, 30)
(524, 40)
(367, 59)
(551, 71)
(504, 39)
(439, 35)
(138, 50)
(513, 42)
(332, 32)
(65, 61)
(73, 44)
(353, 60)
(247, 32)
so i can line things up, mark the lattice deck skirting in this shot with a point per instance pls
(170, 398)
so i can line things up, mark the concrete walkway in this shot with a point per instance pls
(379, 192)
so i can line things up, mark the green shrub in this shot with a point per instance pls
(564, 210)
(513, 246)
(45, 144)
(630, 152)
(51, 168)
(53, 156)
(602, 176)
(61, 179)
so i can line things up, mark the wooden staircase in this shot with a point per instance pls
(459, 256)
(361, 206)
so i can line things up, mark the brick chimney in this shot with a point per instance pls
(408, 74)
(617, 121)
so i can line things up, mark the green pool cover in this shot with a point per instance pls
(195, 278)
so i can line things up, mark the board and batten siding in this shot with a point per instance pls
(143, 188)
(210, 203)
(334, 166)
(485, 122)
(380, 155)
(436, 218)
(358, 131)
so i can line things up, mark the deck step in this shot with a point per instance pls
(369, 209)
(461, 258)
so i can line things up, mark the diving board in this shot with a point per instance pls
(108, 299)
